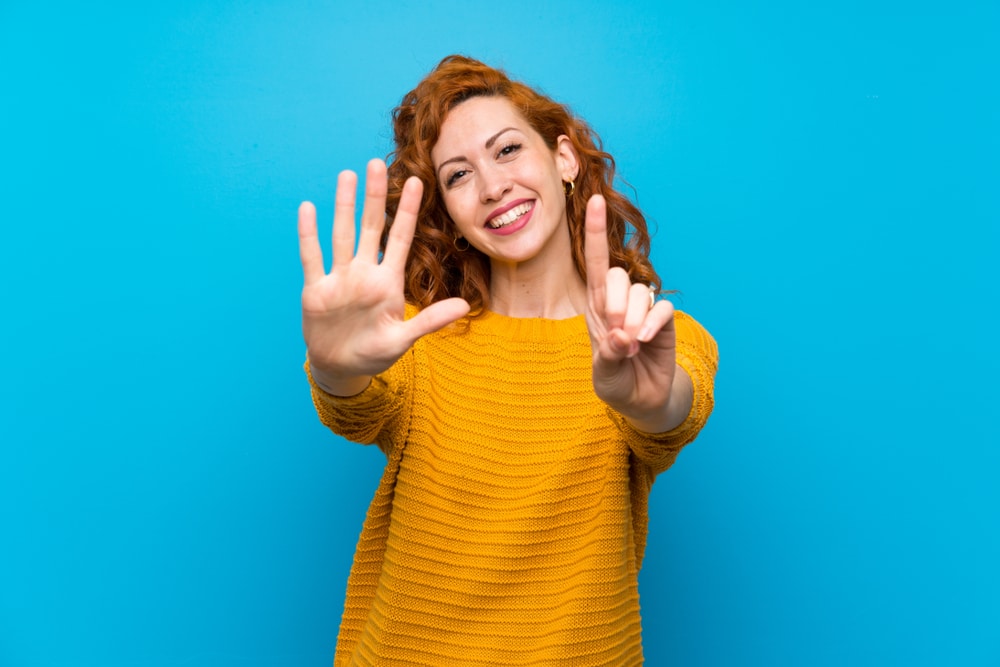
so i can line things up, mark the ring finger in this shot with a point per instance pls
(638, 306)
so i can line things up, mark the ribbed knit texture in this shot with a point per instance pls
(510, 522)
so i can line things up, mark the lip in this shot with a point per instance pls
(513, 227)
(504, 209)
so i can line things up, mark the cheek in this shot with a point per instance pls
(545, 175)
(459, 209)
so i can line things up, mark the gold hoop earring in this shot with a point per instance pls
(455, 241)
(568, 187)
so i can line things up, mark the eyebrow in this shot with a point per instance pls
(489, 144)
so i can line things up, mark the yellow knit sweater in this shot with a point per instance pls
(510, 522)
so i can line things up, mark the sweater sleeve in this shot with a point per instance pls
(698, 355)
(375, 416)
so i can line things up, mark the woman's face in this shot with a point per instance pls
(502, 185)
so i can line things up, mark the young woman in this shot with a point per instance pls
(497, 334)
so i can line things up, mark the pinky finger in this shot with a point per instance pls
(309, 249)
(660, 316)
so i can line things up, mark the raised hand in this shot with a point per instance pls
(633, 341)
(353, 317)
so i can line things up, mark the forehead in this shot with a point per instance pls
(470, 124)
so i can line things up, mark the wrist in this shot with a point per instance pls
(337, 385)
(671, 414)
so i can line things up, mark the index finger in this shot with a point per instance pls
(595, 249)
(404, 225)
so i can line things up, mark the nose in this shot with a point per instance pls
(494, 184)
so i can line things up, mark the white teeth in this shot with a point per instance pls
(510, 216)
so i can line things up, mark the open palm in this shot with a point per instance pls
(353, 317)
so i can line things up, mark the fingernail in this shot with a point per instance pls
(645, 334)
(633, 348)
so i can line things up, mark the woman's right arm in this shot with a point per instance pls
(353, 317)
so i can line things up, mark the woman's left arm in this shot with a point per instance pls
(635, 344)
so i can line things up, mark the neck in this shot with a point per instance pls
(518, 290)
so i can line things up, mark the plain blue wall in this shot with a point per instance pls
(823, 178)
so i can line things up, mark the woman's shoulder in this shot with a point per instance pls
(691, 334)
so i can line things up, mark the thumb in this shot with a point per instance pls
(616, 347)
(436, 316)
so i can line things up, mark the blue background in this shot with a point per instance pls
(823, 181)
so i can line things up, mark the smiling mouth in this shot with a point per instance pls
(510, 216)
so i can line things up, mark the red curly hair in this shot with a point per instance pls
(436, 269)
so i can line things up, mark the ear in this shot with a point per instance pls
(567, 159)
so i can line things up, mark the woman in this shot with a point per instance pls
(501, 342)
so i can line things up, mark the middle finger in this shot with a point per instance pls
(616, 305)
(373, 215)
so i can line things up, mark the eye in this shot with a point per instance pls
(508, 150)
(454, 177)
